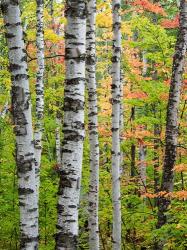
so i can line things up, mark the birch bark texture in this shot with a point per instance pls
(58, 141)
(92, 126)
(73, 126)
(39, 91)
(22, 119)
(116, 199)
(172, 115)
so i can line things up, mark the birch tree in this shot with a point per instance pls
(172, 116)
(21, 111)
(58, 141)
(142, 147)
(73, 126)
(39, 90)
(116, 5)
(93, 127)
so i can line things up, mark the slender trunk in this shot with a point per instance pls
(22, 118)
(157, 131)
(58, 113)
(133, 147)
(121, 124)
(4, 110)
(142, 167)
(142, 147)
(93, 127)
(144, 60)
(39, 92)
(172, 116)
(116, 5)
(156, 161)
(57, 140)
(73, 126)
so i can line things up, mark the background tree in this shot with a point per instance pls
(39, 90)
(172, 117)
(92, 126)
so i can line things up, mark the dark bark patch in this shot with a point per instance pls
(74, 105)
(14, 67)
(64, 182)
(71, 135)
(76, 9)
(24, 165)
(25, 191)
(74, 81)
(12, 24)
(69, 36)
(18, 99)
(9, 35)
(19, 77)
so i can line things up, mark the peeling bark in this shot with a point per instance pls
(22, 118)
(93, 195)
(73, 126)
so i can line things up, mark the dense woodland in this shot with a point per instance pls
(93, 124)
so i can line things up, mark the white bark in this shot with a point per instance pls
(142, 167)
(121, 124)
(73, 126)
(116, 126)
(4, 110)
(57, 140)
(93, 127)
(144, 60)
(39, 91)
(142, 147)
(22, 118)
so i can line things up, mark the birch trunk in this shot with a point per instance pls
(93, 127)
(57, 140)
(21, 110)
(157, 130)
(142, 147)
(156, 160)
(172, 116)
(133, 146)
(142, 167)
(121, 124)
(39, 91)
(73, 126)
(116, 5)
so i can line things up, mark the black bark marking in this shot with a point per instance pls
(74, 81)
(24, 166)
(25, 191)
(74, 105)
(14, 67)
(9, 35)
(66, 240)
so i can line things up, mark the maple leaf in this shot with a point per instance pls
(180, 168)
(137, 95)
(170, 24)
(146, 5)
